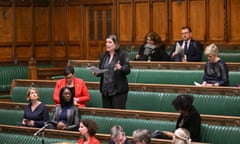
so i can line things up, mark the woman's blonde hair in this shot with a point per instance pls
(28, 93)
(182, 136)
(211, 49)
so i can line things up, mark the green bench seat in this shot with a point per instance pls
(149, 101)
(162, 102)
(159, 76)
(209, 133)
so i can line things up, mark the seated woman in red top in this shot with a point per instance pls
(77, 86)
(88, 129)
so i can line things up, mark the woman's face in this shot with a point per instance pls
(69, 78)
(67, 95)
(83, 129)
(211, 58)
(149, 41)
(33, 95)
(110, 45)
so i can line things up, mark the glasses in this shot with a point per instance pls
(185, 33)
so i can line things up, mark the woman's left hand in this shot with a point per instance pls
(117, 66)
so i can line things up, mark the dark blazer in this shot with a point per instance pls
(120, 76)
(158, 54)
(72, 117)
(194, 53)
(192, 122)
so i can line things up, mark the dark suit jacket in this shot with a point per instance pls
(194, 53)
(72, 117)
(192, 122)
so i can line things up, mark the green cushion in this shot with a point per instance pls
(8, 138)
(19, 94)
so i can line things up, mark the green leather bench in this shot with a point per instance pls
(159, 76)
(10, 138)
(162, 102)
(209, 133)
(149, 101)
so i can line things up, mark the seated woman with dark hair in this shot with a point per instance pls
(153, 49)
(189, 118)
(66, 116)
(88, 129)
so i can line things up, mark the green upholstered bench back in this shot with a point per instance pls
(157, 101)
(227, 55)
(159, 76)
(209, 133)
(10, 138)
(8, 73)
(19, 94)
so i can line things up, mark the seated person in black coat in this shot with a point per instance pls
(153, 49)
(189, 118)
(187, 50)
(66, 116)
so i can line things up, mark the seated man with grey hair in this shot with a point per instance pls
(142, 136)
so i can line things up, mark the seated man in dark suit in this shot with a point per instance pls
(187, 49)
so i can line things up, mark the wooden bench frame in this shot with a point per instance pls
(138, 114)
(189, 89)
(47, 73)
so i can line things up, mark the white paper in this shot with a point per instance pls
(96, 70)
(179, 50)
(196, 83)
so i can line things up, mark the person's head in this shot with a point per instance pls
(183, 103)
(69, 74)
(32, 94)
(181, 136)
(141, 136)
(88, 127)
(152, 38)
(211, 52)
(117, 134)
(66, 97)
(112, 43)
(186, 33)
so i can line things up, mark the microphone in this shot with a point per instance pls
(41, 129)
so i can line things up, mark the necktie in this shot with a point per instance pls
(185, 48)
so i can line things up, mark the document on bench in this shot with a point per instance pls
(179, 50)
(96, 70)
(197, 84)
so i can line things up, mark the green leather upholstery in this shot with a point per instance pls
(19, 94)
(159, 76)
(9, 138)
(149, 101)
(209, 133)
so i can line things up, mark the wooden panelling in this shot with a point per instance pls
(59, 23)
(41, 27)
(216, 20)
(234, 17)
(179, 17)
(197, 19)
(159, 18)
(142, 25)
(23, 24)
(74, 22)
(125, 19)
(23, 52)
(60, 51)
(6, 53)
(42, 52)
(6, 24)
(74, 51)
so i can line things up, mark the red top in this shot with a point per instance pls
(92, 140)
(81, 91)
